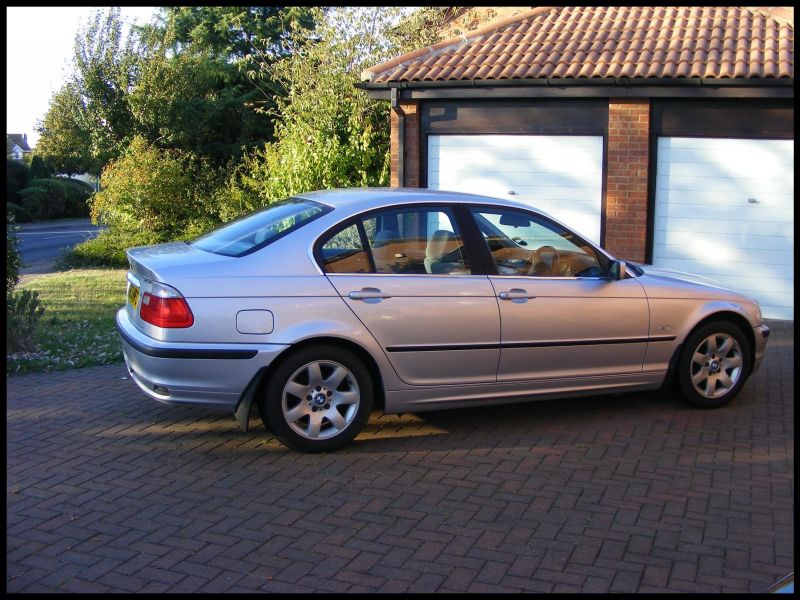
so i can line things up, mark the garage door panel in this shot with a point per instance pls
(733, 228)
(704, 223)
(561, 175)
(742, 187)
(745, 213)
(725, 256)
(736, 170)
(549, 142)
(712, 197)
(773, 161)
(531, 182)
(685, 239)
(542, 166)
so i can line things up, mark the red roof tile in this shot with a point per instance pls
(605, 42)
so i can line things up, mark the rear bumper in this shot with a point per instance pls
(206, 375)
(761, 333)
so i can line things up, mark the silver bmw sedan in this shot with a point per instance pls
(325, 306)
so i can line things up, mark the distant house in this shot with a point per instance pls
(19, 145)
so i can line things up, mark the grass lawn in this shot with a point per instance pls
(77, 329)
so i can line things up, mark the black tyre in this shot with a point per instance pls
(714, 365)
(318, 399)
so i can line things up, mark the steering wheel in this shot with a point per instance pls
(534, 258)
(453, 256)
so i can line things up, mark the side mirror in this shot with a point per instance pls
(616, 270)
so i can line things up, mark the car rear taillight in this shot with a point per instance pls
(164, 306)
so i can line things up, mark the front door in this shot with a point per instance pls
(561, 317)
(406, 275)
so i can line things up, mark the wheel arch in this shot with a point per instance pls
(258, 384)
(724, 315)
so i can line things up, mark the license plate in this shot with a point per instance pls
(133, 295)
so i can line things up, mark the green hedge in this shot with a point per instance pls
(54, 198)
(18, 177)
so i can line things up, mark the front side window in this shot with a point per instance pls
(258, 229)
(522, 244)
(416, 242)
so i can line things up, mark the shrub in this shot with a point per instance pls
(13, 260)
(19, 213)
(106, 249)
(18, 177)
(39, 169)
(23, 311)
(77, 194)
(45, 198)
(77, 183)
(155, 191)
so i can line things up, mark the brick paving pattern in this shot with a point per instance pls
(110, 491)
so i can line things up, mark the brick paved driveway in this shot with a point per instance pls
(108, 490)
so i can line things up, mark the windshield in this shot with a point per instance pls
(256, 230)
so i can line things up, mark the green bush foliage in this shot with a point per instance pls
(158, 193)
(18, 177)
(13, 260)
(45, 199)
(23, 311)
(55, 198)
(20, 213)
(39, 169)
(104, 250)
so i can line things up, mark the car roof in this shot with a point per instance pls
(354, 200)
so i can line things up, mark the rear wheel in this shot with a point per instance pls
(714, 365)
(318, 399)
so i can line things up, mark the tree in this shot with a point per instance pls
(233, 32)
(9, 147)
(65, 140)
(328, 133)
(89, 121)
(105, 69)
(190, 93)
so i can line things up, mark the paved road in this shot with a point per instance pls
(42, 243)
(110, 491)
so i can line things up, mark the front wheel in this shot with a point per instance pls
(318, 399)
(714, 365)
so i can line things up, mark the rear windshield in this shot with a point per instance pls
(256, 230)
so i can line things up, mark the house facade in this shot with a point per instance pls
(19, 145)
(665, 134)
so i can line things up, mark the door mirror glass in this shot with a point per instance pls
(616, 270)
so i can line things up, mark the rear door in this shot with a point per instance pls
(406, 274)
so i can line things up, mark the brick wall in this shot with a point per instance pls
(412, 157)
(626, 191)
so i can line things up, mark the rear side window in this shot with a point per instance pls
(344, 252)
(258, 229)
(423, 241)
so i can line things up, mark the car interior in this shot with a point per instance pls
(425, 242)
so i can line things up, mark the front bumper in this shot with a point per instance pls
(760, 333)
(206, 375)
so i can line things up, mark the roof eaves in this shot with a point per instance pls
(370, 74)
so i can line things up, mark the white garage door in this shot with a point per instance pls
(561, 175)
(725, 209)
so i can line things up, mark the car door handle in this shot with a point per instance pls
(514, 294)
(368, 293)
